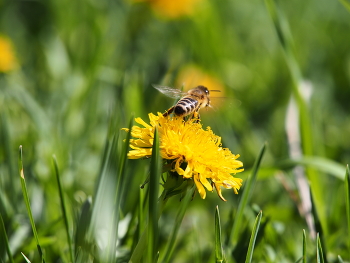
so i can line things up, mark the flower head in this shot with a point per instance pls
(193, 153)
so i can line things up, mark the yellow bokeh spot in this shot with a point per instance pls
(8, 59)
(172, 8)
(192, 76)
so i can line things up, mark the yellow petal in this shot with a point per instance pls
(205, 182)
(218, 190)
(200, 188)
(142, 122)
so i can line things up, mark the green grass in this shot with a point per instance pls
(86, 70)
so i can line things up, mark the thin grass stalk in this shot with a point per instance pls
(304, 246)
(63, 208)
(141, 216)
(340, 260)
(26, 200)
(253, 238)
(347, 202)
(153, 209)
(25, 258)
(319, 252)
(6, 241)
(169, 250)
(219, 252)
(248, 188)
(122, 164)
(285, 40)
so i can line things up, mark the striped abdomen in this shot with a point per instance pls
(186, 106)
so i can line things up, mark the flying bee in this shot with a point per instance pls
(190, 102)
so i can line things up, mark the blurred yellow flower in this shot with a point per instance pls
(191, 76)
(193, 153)
(172, 8)
(8, 60)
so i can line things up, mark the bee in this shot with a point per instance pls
(190, 102)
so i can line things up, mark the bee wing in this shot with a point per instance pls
(170, 92)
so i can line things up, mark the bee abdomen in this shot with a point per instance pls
(185, 106)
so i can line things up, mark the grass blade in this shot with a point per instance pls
(253, 238)
(25, 258)
(322, 164)
(105, 212)
(340, 260)
(219, 253)
(246, 195)
(5, 142)
(26, 199)
(155, 171)
(347, 202)
(5, 239)
(304, 246)
(319, 252)
(82, 248)
(168, 252)
(285, 39)
(346, 4)
(63, 208)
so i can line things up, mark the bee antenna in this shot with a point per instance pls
(215, 90)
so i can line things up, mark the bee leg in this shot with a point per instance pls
(169, 111)
(196, 116)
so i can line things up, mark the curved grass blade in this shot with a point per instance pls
(253, 238)
(155, 171)
(248, 187)
(347, 201)
(319, 252)
(219, 252)
(304, 246)
(26, 199)
(179, 217)
(285, 39)
(322, 164)
(5, 239)
(340, 260)
(63, 208)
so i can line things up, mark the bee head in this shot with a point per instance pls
(202, 94)
(203, 89)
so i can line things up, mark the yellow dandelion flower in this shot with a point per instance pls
(194, 153)
(8, 60)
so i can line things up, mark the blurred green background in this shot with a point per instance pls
(75, 72)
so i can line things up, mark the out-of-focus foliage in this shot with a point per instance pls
(77, 71)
